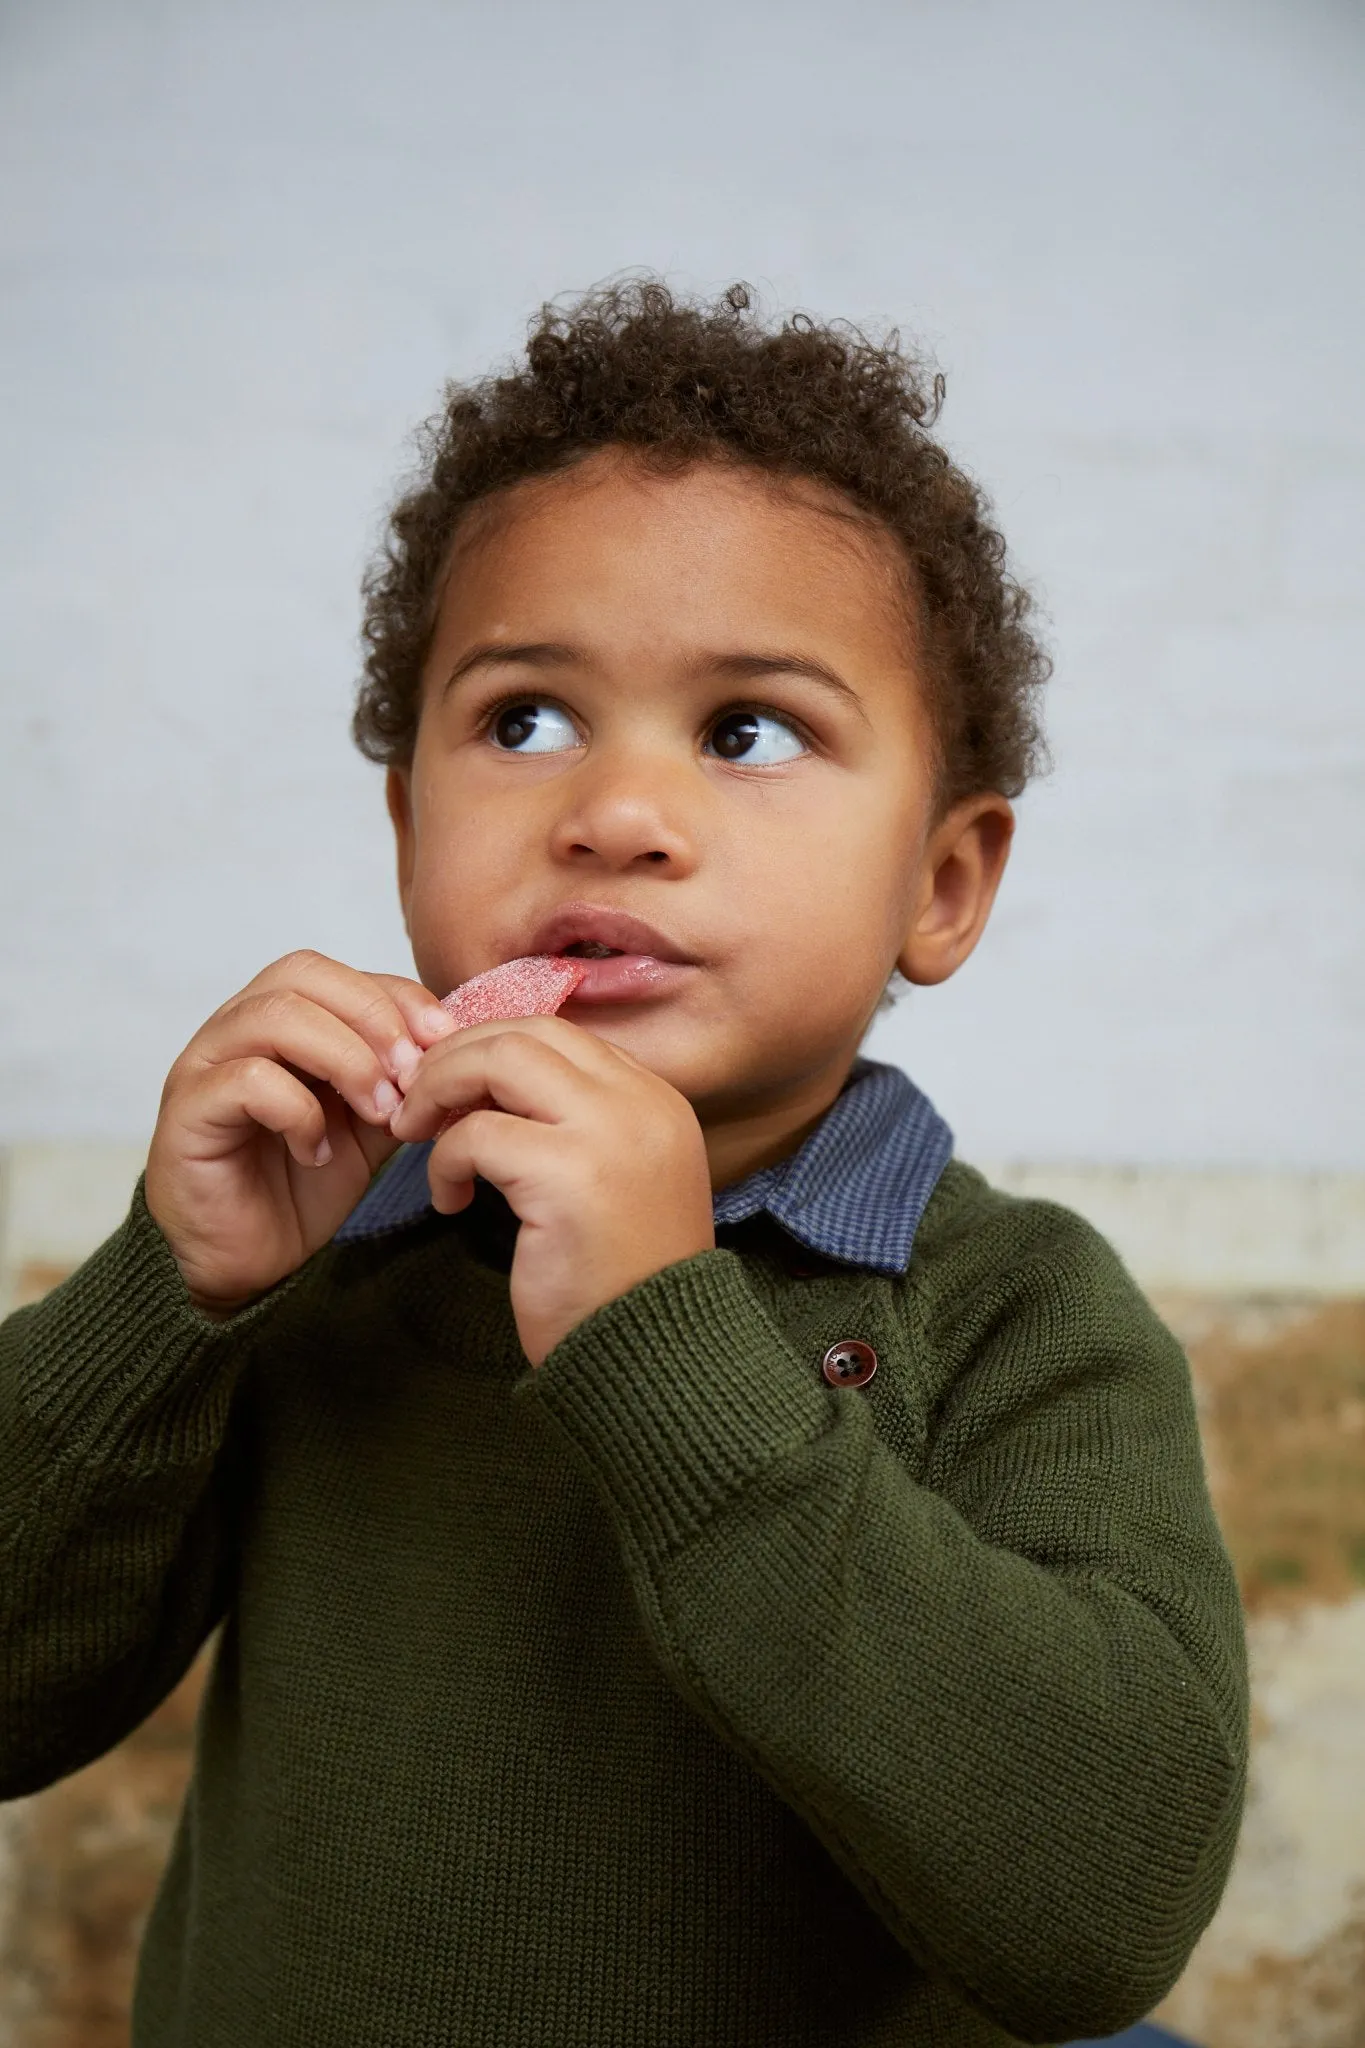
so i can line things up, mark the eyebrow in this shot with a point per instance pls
(751, 667)
(549, 654)
(497, 654)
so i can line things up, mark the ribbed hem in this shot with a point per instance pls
(677, 1394)
(116, 1337)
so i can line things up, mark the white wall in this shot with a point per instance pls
(244, 243)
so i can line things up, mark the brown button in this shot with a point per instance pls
(850, 1364)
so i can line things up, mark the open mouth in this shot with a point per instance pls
(611, 976)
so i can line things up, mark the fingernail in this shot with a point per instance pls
(438, 1023)
(405, 1059)
(386, 1099)
(323, 1153)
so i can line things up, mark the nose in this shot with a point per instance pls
(624, 809)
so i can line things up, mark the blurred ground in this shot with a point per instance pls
(1281, 1391)
(1281, 1388)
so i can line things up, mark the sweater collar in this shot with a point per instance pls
(855, 1190)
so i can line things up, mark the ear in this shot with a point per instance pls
(398, 796)
(963, 861)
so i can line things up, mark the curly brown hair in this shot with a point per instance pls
(634, 364)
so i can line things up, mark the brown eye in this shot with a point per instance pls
(738, 731)
(514, 725)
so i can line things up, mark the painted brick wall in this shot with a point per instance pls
(244, 244)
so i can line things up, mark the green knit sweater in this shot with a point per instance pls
(666, 1696)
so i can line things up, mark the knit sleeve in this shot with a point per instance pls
(1007, 1693)
(116, 1498)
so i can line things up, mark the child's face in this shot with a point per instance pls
(797, 858)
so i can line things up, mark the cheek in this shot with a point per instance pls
(829, 891)
(845, 856)
(455, 850)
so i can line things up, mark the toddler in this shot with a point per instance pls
(694, 1565)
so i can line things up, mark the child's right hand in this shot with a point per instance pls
(311, 1054)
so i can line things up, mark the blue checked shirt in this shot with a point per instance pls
(855, 1191)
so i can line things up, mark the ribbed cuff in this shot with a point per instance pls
(677, 1394)
(117, 1337)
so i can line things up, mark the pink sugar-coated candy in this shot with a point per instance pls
(533, 986)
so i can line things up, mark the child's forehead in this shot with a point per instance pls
(664, 585)
(622, 519)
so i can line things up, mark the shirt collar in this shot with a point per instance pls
(860, 1183)
(855, 1190)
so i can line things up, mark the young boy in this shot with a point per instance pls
(696, 1565)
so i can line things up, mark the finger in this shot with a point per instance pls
(346, 1134)
(255, 1090)
(520, 1071)
(506, 1150)
(584, 1048)
(426, 1020)
(366, 1002)
(593, 1056)
(284, 1025)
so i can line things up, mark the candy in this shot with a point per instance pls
(533, 986)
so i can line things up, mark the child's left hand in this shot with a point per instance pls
(602, 1160)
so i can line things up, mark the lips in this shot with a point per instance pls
(586, 923)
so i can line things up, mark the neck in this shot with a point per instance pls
(742, 1137)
